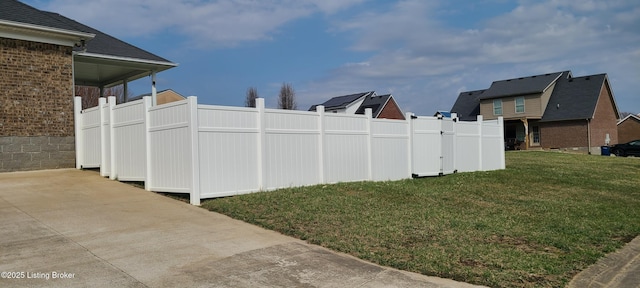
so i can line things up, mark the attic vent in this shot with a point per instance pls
(547, 74)
(587, 78)
(534, 76)
(520, 78)
(508, 80)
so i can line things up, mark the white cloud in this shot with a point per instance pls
(422, 51)
(437, 59)
(220, 23)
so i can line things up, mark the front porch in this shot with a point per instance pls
(522, 134)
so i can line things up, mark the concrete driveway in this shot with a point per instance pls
(71, 228)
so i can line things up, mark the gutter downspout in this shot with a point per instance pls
(589, 135)
(76, 124)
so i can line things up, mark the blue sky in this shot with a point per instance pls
(422, 52)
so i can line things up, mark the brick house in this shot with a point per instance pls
(629, 129)
(42, 56)
(548, 111)
(382, 107)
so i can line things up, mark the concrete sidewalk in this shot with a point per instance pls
(618, 269)
(70, 228)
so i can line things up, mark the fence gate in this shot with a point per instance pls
(432, 146)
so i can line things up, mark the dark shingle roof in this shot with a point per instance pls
(16, 11)
(521, 86)
(104, 44)
(467, 105)
(574, 98)
(571, 98)
(341, 101)
(376, 103)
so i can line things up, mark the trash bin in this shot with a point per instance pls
(604, 151)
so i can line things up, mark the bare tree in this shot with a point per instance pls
(252, 94)
(287, 97)
(90, 94)
(624, 114)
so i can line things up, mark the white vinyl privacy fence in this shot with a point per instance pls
(215, 151)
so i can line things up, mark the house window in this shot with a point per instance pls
(535, 134)
(520, 105)
(497, 107)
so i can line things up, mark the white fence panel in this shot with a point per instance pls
(129, 141)
(468, 146)
(292, 143)
(492, 145)
(390, 150)
(91, 139)
(229, 150)
(214, 151)
(346, 153)
(427, 146)
(448, 133)
(170, 154)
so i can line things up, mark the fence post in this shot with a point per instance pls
(112, 134)
(320, 110)
(409, 118)
(192, 104)
(77, 116)
(501, 135)
(103, 135)
(261, 142)
(479, 120)
(147, 142)
(454, 118)
(368, 112)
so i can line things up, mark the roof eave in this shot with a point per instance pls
(567, 119)
(130, 68)
(552, 82)
(385, 105)
(613, 98)
(510, 95)
(37, 33)
(139, 61)
(627, 117)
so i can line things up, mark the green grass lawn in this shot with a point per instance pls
(535, 224)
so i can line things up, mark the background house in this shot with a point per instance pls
(43, 56)
(382, 107)
(550, 111)
(629, 129)
(163, 97)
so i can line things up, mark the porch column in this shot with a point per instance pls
(525, 122)
(125, 91)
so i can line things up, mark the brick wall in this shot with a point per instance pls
(36, 106)
(628, 130)
(604, 120)
(565, 134)
(391, 111)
